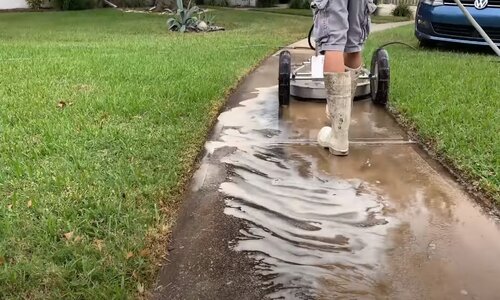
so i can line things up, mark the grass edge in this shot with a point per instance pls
(480, 193)
(159, 245)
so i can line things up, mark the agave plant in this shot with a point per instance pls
(185, 19)
(207, 18)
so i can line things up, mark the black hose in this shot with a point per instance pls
(309, 41)
(309, 38)
(396, 43)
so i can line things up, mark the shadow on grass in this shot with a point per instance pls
(458, 48)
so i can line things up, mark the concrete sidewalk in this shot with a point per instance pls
(271, 214)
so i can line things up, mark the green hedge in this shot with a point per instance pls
(266, 3)
(301, 4)
(75, 4)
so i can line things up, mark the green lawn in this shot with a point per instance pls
(102, 115)
(453, 100)
(308, 13)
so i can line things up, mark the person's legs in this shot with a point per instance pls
(359, 28)
(353, 64)
(341, 85)
(359, 25)
(334, 62)
(341, 29)
(338, 98)
(331, 25)
(353, 60)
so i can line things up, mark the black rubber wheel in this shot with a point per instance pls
(309, 38)
(380, 77)
(285, 70)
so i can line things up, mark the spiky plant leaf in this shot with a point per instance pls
(180, 5)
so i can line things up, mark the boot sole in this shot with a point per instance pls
(339, 153)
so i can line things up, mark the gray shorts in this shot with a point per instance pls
(342, 25)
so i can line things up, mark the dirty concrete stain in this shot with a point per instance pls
(314, 235)
(271, 214)
(305, 227)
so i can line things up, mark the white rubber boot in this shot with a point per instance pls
(338, 91)
(355, 74)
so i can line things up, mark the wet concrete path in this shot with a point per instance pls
(272, 215)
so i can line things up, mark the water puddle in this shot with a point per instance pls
(306, 229)
(381, 223)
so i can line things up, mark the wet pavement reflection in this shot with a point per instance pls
(380, 223)
(271, 214)
(306, 228)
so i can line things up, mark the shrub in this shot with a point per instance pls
(402, 10)
(301, 4)
(266, 3)
(207, 18)
(34, 4)
(75, 4)
(185, 19)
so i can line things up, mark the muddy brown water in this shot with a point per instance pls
(383, 223)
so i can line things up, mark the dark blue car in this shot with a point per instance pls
(443, 21)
